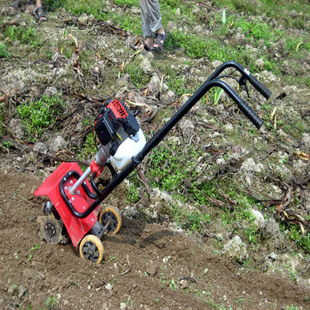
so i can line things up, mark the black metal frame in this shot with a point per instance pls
(211, 82)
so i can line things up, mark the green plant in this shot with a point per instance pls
(3, 51)
(89, 147)
(137, 76)
(132, 194)
(51, 302)
(38, 115)
(26, 35)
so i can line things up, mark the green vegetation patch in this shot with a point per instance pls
(3, 51)
(40, 114)
(25, 35)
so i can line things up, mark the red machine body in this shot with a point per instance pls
(77, 227)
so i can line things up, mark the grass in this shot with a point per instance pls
(25, 35)
(3, 51)
(37, 115)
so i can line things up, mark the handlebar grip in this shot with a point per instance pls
(249, 113)
(259, 86)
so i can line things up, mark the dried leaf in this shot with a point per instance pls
(302, 155)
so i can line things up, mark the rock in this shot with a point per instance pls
(17, 127)
(109, 287)
(187, 128)
(50, 91)
(168, 97)
(146, 66)
(267, 77)
(40, 147)
(135, 97)
(130, 212)
(98, 68)
(83, 19)
(235, 249)
(306, 139)
(184, 284)
(154, 85)
(178, 11)
(151, 269)
(272, 233)
(216, 63)
(21, 291)
(229, 127)
(56, 143)
(166, 259)
(260, 63)
(250, 165)
(259, 219)
(123, 306)
(13, 290)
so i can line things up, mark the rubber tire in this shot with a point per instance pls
(94, 240)
(115, 211)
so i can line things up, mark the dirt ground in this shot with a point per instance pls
(145, 267)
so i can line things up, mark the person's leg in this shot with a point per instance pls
(145, 23)
(39, 11)
(15, 5)
(153, 20)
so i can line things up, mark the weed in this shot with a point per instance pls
(89, 148)
(51, 302)
(26, 35)
(132, 194)
(39, 114)
(3, 51)
(292, 307)
(137, 76)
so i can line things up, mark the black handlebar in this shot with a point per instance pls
(248, 112)
(252, 79)
(211, 82)
(259, 86)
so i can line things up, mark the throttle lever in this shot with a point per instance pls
(242, 82)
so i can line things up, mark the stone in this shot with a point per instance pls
(260, 63)
(146, 66)
(40, 147)
(83, 19)
(56, 143)
(22, 291)
(151, 269)
(13, 290)
(154, 85)
(235, 249)
(306, 139)
(250, 165)
(109, 287)
(259, 220)
(184, 284)
(187, 128)
(123, 306)
(17, 127)
(169, 96)
(130, 212)
(50, 91)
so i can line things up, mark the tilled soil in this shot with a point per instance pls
(146, 266)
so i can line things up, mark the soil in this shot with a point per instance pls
(146, 266)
